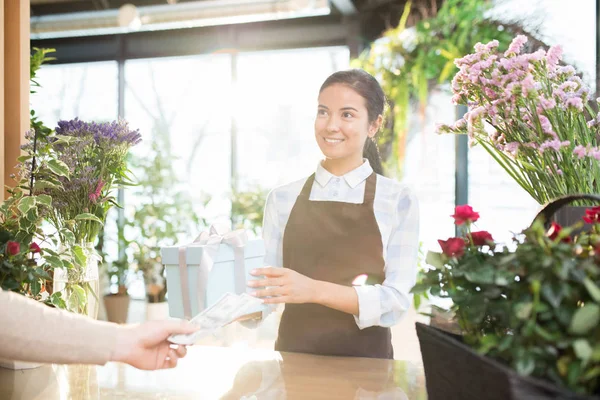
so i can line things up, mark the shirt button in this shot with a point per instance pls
(337, 179)
(335, 193)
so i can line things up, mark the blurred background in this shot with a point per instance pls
(224, 94)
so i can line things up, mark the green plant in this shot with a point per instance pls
(25, 267)
(535, 308)
(247, 208)
(409, 61)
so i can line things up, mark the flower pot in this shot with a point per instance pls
(117, 307)
(13, 364)
(454, 371)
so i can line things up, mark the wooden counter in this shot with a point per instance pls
(224, 373)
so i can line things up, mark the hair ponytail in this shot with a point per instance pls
(371, 153)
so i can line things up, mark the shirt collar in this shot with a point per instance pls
(352, 178)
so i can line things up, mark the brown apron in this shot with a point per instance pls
(333, 242)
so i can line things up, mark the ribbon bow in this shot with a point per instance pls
(210, 242)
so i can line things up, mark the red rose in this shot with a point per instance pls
(592, 215)
(464, 214)
(481, 238)
(13, 248)
(34, 248)
(453, 247)
(554, 231)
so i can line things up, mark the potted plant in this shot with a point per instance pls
(528, 317)
(117, 304)
(533, 116)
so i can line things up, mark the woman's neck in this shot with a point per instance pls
(339, 167)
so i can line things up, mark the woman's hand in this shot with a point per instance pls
(283, 285)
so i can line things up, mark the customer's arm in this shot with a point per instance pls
(30, 331)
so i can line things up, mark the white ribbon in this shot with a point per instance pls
(210, 242)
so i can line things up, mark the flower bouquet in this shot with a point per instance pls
(79, 167)
(532, 116)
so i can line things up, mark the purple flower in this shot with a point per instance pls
(116, 132)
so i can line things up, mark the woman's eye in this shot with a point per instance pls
(347, 115)
(321, 112)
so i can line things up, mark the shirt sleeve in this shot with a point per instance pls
(272, 233)
(31, 331)
(272, 237)
(386, 304)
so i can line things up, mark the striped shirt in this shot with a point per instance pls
(397, 215)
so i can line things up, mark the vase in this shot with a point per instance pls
(80, 285)
(454, 371)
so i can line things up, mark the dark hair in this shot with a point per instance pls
(368, 88)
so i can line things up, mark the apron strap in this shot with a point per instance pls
(306, 189)
(370, 190)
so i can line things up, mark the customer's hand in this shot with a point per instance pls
(145, 346)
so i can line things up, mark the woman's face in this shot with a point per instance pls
(342, 124)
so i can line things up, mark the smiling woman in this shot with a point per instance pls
(345, 220)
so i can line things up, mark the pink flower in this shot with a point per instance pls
(553, 56)
(94, 196)
(516, 45)
(34, 248)
(554, 144)
(580, 151)
(575, 102)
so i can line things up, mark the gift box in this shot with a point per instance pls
(217, 262)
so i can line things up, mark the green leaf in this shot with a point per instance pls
(435, 259)
(57, 300)
(592, 289)
(88, 217)
(523, 310)
(481, 274)
(54, 261)
(525, 364)
(583, 350)
(36, 287)
(77, 297)
(26, 204)
(585, 319)
(58, 167)
(45, 199)
(40, 185)
(68, 235)
(80, 256)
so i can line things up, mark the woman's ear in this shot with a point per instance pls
(375, 125)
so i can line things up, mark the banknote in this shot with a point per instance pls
(229, 308)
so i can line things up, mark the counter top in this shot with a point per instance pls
(224, 373)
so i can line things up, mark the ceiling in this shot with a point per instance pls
(375, 15)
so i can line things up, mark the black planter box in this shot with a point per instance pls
(453, 371)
